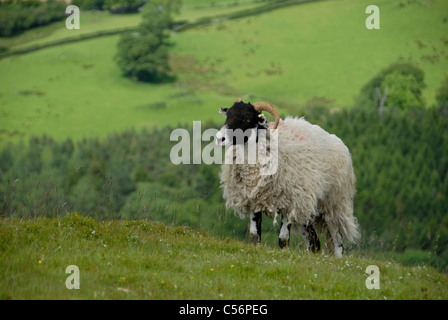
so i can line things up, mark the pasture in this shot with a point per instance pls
(291, 57)
(146, 260)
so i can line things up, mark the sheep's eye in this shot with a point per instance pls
(248, 120)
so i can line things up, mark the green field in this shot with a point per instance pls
(76, 91)
(95, 21)
(146, 260)
(289, 57)
(321, 49)
(308, 60)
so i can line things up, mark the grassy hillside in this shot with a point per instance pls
(145, 260)
(289, 56)
(321, 49)
(94, 21)
(77, 91)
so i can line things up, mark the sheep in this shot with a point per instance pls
(313, 186)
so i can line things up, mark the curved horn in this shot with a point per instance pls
(263, 106)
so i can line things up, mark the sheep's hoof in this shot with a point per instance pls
(255, 239)
(283, 243)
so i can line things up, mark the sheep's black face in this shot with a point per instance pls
(242, 121)
(242, 116)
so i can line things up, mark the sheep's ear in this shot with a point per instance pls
(223, 111)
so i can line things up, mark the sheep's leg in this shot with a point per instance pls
(336, 238)
(255, 227)
(329, 242)
(313, 238)
(283, 237)
(312, 242)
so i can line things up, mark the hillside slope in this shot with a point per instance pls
(318, 52)
(145, 260)
(321, 49)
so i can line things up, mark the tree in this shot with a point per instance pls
(143, 55)
(403, 86)
(17, 16)
(403, 90)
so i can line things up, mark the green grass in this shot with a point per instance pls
(145, 260)
(287, 57)
(321, 49)
(77, 91)
(90, 22)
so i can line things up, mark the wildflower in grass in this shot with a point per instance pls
(123, 279)
(39, 262)
(212, 269)
(232, 266)
(162, 282)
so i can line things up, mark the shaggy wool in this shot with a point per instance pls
(314, 181)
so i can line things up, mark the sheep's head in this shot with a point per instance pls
(242, 121)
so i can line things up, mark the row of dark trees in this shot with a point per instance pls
(17, 16)
(400, 160)
(20, 15)
(114, 6)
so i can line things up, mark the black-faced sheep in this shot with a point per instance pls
(313, 184)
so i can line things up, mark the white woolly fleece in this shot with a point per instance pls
(314, 177)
